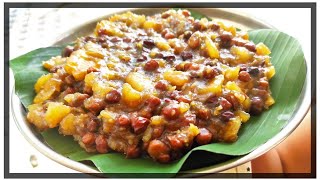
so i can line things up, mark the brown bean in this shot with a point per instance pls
(153, 102)
(226, 36)
(185, 55)
(69, 90)
(113, 96)
(159, 151)
(123, 120)
(159, 55)
(214, 26)
(172, 125)
(87, 90)
(165, 15)
(93, 39)
(226, 105)
(164, 32)
(183, 99)
(183, 66)
(161, 85)
(224, 44)
(67, 51)
(180, 67)
(169, 35)
(204, 114)
(148, 43)
(226, 116)
(105, 45)
(244, 76)
(186, 13)
(194, 67)
(88, 139)
(94, 104)
(133, 152)
(145, 112)
(233, 100)
(115, 39)
(204, 137)
(151, 65)
(256, 105)
(243, 68)
(173, 94)
(139, 124)
(127, 40)
(92, 125)
(239, 41)
(250, 46)
(164, 158)
(196, 25)
(194, 41)
(178, 49)
(157, 132)
(69, 80)
(259, 92)
(191, 66)
(210, 72)
(203, 52)
(189, 119)
(253, 71)
(102, 39)
(171, 111)
(175, 143)
(79, 99)
(169, 58)
(214, 100)
(263, 84)
(101, 144)
(187, 35)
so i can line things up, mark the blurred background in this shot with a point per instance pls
(32, 28)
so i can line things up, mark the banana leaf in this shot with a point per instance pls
(286, 87)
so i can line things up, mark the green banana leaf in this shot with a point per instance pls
(286, 87)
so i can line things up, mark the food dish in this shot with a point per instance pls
(269, 129)
(168, 81)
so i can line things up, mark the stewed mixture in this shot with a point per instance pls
(154, 85)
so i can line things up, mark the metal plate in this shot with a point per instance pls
(239, 20)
